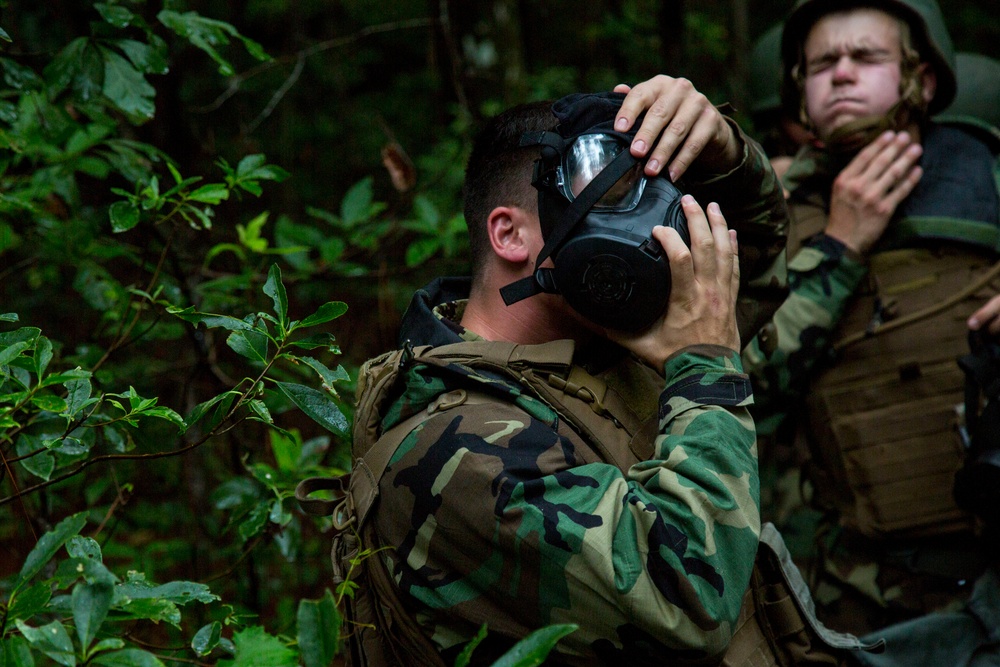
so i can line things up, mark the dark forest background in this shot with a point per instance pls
(185, 188)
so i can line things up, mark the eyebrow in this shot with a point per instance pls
(853, 51)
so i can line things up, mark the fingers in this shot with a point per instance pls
(659, 98)
(679, 125)
(987, 316)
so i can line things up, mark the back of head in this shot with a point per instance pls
(498, 172)
(927, 32)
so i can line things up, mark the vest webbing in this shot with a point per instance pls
(881, 418)
(775, 613)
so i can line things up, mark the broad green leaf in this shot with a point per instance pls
(165, 413)
(78, 396)
(4, 36)
(41, 464)
(91, 603)
(116, 15)
(533, 649)
(126, 87)
(29, 602)
(279, 514)
(15, 652)
(274, 288)
(149, 609)
(326, 340)
(43, 355)
(222, 404)
(18, 76)
(357, 203)
(124, 215)
(48, 402)
(329, 377)
(427, 213)
(145, 57)
(212, 193)
(65, 377)
(287, 449)
(330, 310)
(205, 34)
(8, 317)
(422, 250)
(260, 409)
(52, 640)
(79, 546)
(255, 521)
(110, 644)
(179, 592)
(22, 335)
(463, 658)
(318, 630)
(91, 571)
(209, 320)
(250, 236)
(317, 405)
(48, 545)
(129, 657)
(332, 249)
(12, 352)
(206, 639)
(249, 344)
(254, 648)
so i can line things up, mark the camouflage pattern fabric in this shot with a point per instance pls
(859, 585)
(501, 513)
(504, 515)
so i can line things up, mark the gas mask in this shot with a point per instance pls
(597, 211)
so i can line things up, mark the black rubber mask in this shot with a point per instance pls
(597, 211)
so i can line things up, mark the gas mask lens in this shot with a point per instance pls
(586, 158)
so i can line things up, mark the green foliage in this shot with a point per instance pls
(168, 365)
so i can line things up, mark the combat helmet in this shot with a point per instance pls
(930, 35)
(978, 93)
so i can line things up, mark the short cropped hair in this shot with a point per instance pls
(498, 172)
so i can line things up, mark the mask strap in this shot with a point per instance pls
(540, 281)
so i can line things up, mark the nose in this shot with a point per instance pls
(845, 69)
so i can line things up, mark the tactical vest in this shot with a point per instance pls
(615, 412)
(882, 419)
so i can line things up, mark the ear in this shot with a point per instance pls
(928, 81)
(511, 233)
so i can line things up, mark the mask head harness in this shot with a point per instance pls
(597, 211)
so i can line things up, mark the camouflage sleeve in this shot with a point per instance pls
(751, 198)
(502, 515)
(822, 277)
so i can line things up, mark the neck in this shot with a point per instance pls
(538, 319)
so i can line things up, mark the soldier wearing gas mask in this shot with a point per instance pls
(893, 250)
(584, 454)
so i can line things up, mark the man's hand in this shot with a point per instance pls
(705, 282)
(868, 190)
(693, 129)
(987, 317)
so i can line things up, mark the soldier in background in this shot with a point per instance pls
(893, 252)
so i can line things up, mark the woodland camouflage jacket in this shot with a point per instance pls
(500, 513)
(956, 202)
